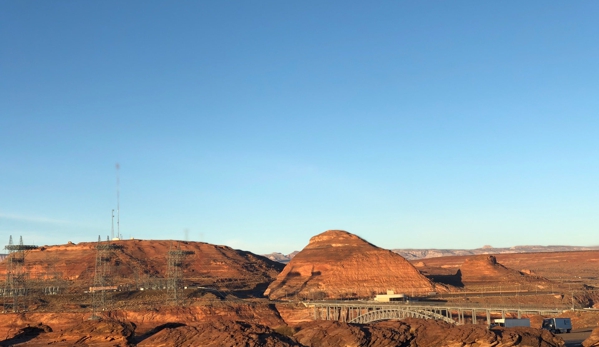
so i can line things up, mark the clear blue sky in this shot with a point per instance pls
(259, 124)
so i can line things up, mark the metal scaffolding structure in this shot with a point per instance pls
(103, 281)
(174, 273)
(15, 292)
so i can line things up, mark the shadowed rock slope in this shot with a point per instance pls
(219, 333)
(337, 264)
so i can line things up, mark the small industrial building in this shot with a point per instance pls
(390, 296)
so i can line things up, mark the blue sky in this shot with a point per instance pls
(260, 124)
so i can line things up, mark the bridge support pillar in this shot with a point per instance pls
(519, 314)
(473, 316)
(488, 318)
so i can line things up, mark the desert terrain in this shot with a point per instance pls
(176, 293)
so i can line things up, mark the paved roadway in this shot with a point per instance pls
(575, 338)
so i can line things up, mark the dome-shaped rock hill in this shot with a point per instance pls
(338, 264)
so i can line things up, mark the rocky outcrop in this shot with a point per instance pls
(546, 265)
(485, 270)
(294, 313)
(26, 334)
(218, 333)
(419, 333)
(97, 332)
(253, 313)
(337, 264)
(593, 340)
(225, 332)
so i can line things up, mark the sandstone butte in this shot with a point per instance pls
(139, 262)
(485, 270)
(337, 264)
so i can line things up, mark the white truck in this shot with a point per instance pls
(557, 325)
(512, 322)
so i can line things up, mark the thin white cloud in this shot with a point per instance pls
(33, 219)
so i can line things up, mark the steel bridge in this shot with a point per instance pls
(368, 312)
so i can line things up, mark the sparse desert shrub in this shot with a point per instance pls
(286, 330)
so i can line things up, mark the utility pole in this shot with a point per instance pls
(118, 204)
(572, 293)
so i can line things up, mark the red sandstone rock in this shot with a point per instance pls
(485, 270)
(224, 332)
(337, 264)
(98, 333)
(593, 340)
(419, 333)
(218, 333)
(26, 334)
(295, 313)
(552, 265)
(143, 259)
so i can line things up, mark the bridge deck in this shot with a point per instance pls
(365, 312)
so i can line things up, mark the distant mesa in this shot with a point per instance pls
(413, 254)
(338, 264)
(485, 270)
(280, 257)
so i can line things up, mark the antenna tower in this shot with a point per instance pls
(112, 229)
(15, 288)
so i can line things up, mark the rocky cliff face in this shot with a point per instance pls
(337, 264)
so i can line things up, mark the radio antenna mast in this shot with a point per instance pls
(112, 229)
(118, 205)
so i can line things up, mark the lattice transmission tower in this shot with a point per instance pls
(174, 273)
(103, 281)
(15, 293)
